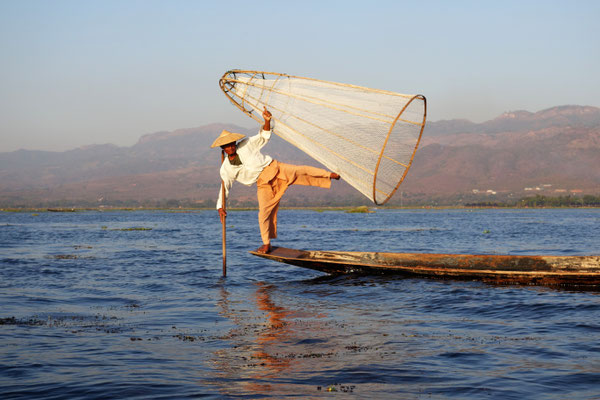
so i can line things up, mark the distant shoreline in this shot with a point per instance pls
(352, 209)
(538, 201)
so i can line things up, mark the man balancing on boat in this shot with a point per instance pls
(246, 164)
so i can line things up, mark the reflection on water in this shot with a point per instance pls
(276, 332)
(265, 345)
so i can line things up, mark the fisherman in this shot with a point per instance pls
(246, 164)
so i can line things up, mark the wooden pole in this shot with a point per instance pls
(224, 218)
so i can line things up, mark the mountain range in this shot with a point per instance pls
(553, 152)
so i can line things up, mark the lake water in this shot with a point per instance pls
(134, 305)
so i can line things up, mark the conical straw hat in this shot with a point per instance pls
(227, 137)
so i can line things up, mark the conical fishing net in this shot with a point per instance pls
(367, 136)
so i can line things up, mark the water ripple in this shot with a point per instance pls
(93, 308)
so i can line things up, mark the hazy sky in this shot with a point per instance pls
(83, 72)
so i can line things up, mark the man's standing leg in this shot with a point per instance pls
(269, 193)
(266, 206)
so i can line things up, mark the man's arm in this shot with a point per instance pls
(267, 116)
(228, 182)
(261, 139)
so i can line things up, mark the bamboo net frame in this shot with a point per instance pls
(368, 136)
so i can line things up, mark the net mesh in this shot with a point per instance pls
(367, 136)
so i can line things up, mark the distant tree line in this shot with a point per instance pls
(331, 201)
(494, 204)
(587, 200)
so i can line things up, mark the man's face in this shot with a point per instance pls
(229, 148)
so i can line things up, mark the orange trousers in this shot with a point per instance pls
(272, 183)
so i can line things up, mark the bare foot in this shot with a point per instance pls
(334, 176)
(264, 249)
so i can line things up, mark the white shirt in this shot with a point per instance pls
(253, 163)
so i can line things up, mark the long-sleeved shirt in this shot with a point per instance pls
(253, 163)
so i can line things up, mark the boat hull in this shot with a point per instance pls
(582, 271)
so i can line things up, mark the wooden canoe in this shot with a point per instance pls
(583, 271)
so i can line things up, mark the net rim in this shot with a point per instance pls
(418, 96)
(223, 85)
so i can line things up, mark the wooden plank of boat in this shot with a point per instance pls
(544, 270)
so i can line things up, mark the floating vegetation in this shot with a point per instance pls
(314, 355)
(486, 231)
(360, 210)
(64, 256)
(14, 321)
(336, 387)
(188, 338)
(72, 323)
(134, 228)
(8, 321)
(357, 348)
(185, 211)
